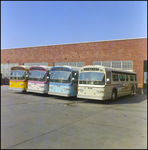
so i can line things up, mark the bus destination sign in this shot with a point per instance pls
(60, 69)
(17, 68)
(91, 69)
(37, 68)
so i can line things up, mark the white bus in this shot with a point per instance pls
(101, 83)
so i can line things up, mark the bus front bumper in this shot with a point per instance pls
(18, 89)
(90, 97)
(35, 91)
(59, 94)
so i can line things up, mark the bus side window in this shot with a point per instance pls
(131, 78)
(122, 77)
(115, 77)
(126, 77)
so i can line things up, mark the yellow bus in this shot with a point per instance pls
(101, 83)
(19, 78)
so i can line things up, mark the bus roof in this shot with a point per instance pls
(45, 67)
(110, 69)
(70, 67)
(25, 67)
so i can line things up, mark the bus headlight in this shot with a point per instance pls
(21, 84)
(66, 88)
(10, 83)
(29, 84)
(81, 90)
(99, 91)
(41, 86)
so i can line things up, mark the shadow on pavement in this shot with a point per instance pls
(35, 94)
(121, 100)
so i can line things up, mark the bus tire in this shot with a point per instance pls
(132, 91)
(114, 95)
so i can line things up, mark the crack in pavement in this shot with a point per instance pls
(57, 129)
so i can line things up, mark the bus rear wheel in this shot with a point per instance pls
(114, 95)
(132, 92)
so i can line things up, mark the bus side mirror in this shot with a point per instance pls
(47, 78)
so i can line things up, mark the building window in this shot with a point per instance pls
(6, 69)
(32, 64)
(106, 63)
(96, 63)
(74, 64)
(116, 64)
(125, 65)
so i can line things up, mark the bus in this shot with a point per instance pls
(102, 83)
(19, 78)
(39, 77)
(64, 81)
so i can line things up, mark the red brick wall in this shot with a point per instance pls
(116, 50)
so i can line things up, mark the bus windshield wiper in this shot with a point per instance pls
(53, 75)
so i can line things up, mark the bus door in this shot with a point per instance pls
(75, 81)
(48, 78)
(108, 88)
(27, 77)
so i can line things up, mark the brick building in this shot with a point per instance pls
(124, 53)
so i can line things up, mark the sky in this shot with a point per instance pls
(45, 23)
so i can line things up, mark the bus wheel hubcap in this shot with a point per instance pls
(113, 96)
(132, 92)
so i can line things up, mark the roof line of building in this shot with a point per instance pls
(79, 43)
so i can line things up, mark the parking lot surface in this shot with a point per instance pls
(39, 121)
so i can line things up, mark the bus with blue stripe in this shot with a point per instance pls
(64, 81)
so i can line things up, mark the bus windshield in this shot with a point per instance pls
(60, 77)
(37, 75)
(17, 74)
(95, 78)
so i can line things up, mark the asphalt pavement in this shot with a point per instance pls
(42, 121)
